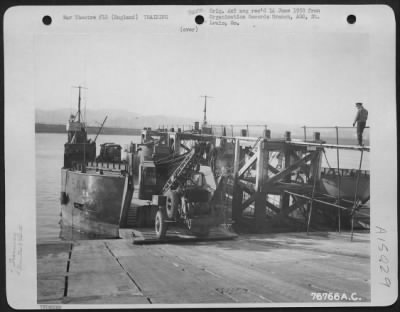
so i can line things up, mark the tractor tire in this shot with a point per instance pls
(172, 204)
(160, 225)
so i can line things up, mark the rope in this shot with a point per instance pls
(326, 158)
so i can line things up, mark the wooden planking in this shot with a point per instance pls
(94, 272)
(52, 259)
(101, 283)
(275, 266)
(237, 272)
(163, 282)
(254, 268)
(237, 292)
(50, 288)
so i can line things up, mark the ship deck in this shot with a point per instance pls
(252, 268)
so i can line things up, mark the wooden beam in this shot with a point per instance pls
(294, 206)
(281, 186)
(261, 178)
(289, 169)
(237, 196)
(284, 198)
(247, 165)
(185, 147)
(237, 159)
(272, 207)
(316, 166)
(272, 169)
(246, 187)
(319, 201)
(274, 145)
(248, 201)
(248, 179)
(262, 167)
(335, 146)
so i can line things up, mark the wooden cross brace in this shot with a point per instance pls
(277, 177)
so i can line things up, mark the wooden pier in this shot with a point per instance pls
(253, 268)
(282, 186)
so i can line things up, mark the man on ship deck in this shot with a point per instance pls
(361, 120)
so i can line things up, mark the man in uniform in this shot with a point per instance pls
(361, 120)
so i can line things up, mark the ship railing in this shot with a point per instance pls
(108, 166)
(344, 172)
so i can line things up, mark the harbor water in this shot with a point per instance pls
(49, 160)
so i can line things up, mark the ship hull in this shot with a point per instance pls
(92, 202)
(329, 184)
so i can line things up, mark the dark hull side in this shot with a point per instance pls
(348, 185)
(92, 203)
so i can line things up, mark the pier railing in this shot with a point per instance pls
(336, 128)
(229, 129)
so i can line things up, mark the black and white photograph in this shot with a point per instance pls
(200, 156)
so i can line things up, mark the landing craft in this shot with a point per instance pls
(93, 193)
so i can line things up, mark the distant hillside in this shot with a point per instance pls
(115, 119)
(46, 128)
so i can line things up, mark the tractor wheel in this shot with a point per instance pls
(172, 204)
(160, 225)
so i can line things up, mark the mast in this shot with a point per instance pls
(205, 108)
(79, 101)
(79, 104)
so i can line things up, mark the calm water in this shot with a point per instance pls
(49, 160)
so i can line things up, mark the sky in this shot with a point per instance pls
(289, 76)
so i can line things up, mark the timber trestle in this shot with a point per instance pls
(280, 177)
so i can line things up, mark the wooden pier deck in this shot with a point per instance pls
(260, 268)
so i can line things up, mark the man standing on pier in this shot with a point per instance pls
(361, 120)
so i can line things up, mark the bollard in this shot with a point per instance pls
(287, 136)
(317, 136)
(267, 133)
